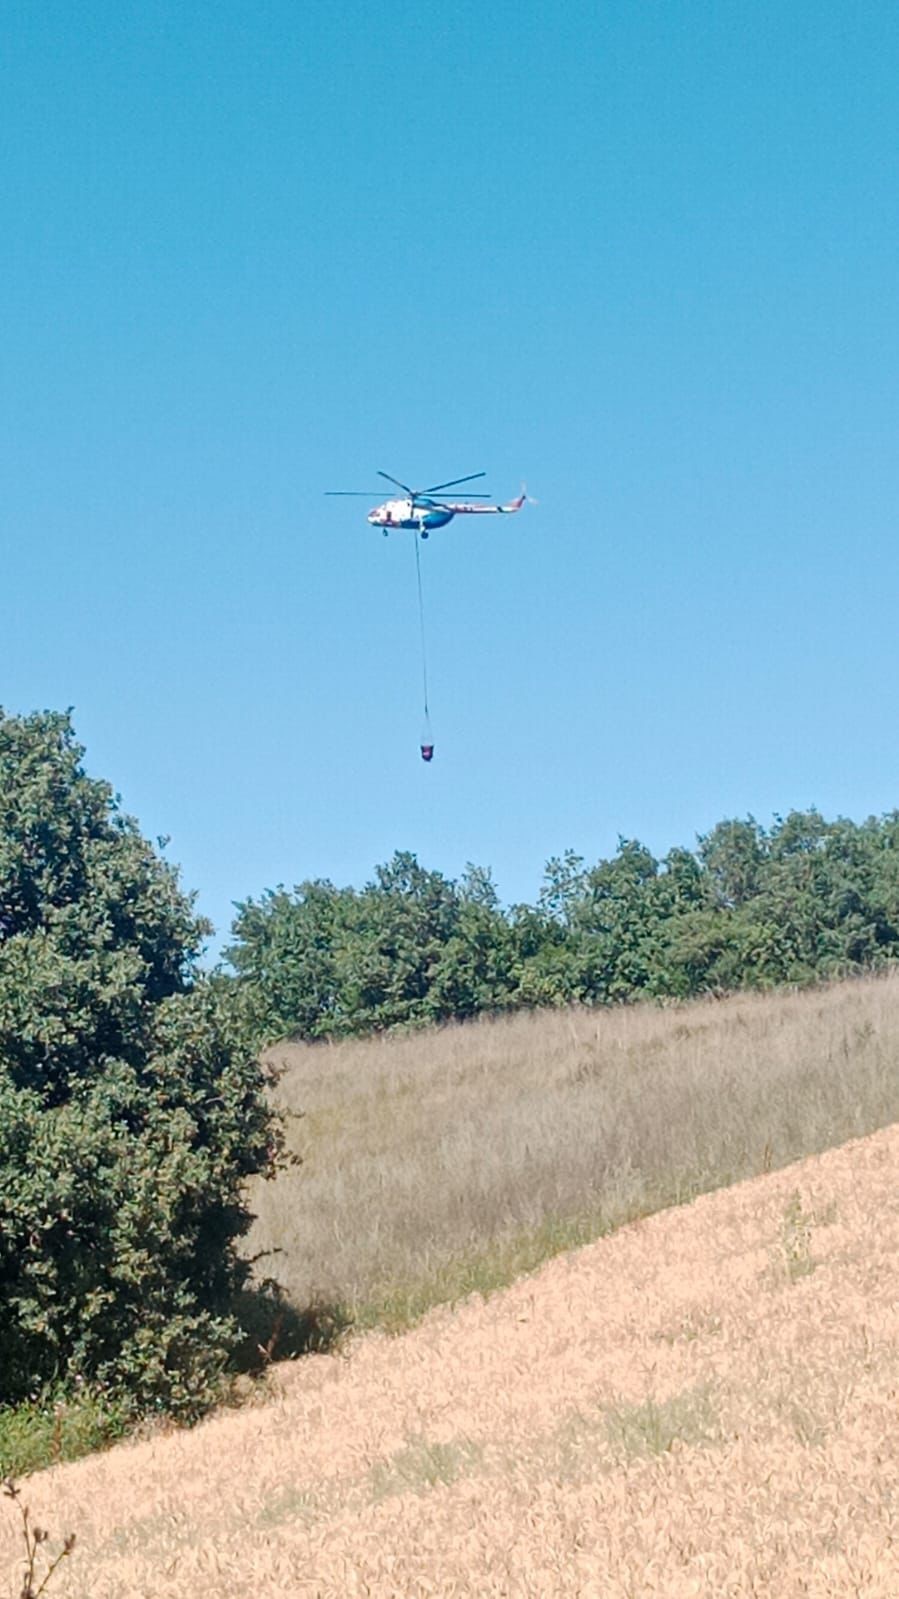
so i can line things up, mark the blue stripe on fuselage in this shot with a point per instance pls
(430, 520)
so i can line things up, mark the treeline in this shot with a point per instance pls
(750, 907)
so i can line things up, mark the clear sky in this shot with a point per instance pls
(643, 254)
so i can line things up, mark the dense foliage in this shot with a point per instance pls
(749, 907)
(131, 1108)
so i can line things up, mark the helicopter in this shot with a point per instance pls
(420, 512)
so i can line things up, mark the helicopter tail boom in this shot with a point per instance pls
(466, 509)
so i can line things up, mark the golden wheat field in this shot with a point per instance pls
(705, 1403)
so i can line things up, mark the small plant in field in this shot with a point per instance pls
(652, 1427)
(696, 1324)
(807, 1427)
(35, 1538)
(796, 1238)
(292, 1504)
(424, 1464)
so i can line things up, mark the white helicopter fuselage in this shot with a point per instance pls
(417, 517)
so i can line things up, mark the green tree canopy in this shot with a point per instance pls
(131, 1107)
(749, 907)
(411, 946)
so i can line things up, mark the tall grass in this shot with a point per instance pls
(436, 1163)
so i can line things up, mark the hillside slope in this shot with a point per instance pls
(702, 1404)
(452, 1159)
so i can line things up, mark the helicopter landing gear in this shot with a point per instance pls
(424, 533)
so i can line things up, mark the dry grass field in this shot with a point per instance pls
(703, 1404)
(436, 1163)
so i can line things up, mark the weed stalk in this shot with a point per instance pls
(33, 1585)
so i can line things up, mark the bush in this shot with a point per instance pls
(131, 1106)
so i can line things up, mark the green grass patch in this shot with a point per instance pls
(653, 1426)
(422, 1465)
(483, 1271)
(796, 1239)
(291, 1504)
(51, 1428)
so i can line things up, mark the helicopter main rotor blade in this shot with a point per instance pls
(442, 505)
(404, 486)
(453, 483)
(355, 494)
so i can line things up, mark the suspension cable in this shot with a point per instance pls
(421, 623)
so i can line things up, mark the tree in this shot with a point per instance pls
(406, 918)
(617, 922)
(411, 947)
(749, 908)
(288, 953)
(732, 857)
(132, 1110)
(475, 970)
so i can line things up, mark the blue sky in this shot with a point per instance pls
(644, 255)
